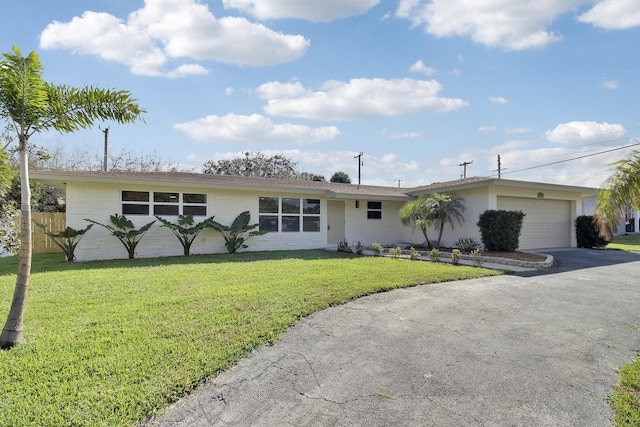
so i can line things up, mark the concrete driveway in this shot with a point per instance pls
(537, 349)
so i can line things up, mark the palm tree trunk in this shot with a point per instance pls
(440, 235)
(12, 332)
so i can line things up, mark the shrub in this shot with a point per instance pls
(434, 255)
(395, 252)
(500, 230)
(476, 255)
(455, 257)
(344, 247)
(587, 235)
(358, 248)
(467, 244)
(414, 255)
(377, 248)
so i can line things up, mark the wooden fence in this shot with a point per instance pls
(55, 222)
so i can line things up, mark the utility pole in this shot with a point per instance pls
(500, 169)
(359, 157)
(106, 143)
(464, 164)
(399, 181)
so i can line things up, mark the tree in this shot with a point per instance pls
(340, 177)
(30, 105)
(186, 230)
(307, 176)
(123, 229)
(447, 209)
(255, 165)
(621, 191)
(8, 212)
(434, 210)
(418, 214)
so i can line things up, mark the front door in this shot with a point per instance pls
(335, 222)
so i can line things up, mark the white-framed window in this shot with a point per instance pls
(163, 203)
(289, 214)
(374, 210)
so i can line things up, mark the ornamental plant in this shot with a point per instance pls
(186, 230)
(123, 229)
(236, 234)
(67, 239)
(455, 257)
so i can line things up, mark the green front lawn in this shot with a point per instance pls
(626, 397)
(111, 343)
(627, 242)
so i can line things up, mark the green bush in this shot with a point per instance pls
(434, 255)
(395, 252)
(344, 247)
(586, 234)
(377, 248)
(467, 244)
(500, 230)
(358, 247)
(414, 255)
(455, 257)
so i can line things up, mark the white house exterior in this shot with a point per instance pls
(300, 214)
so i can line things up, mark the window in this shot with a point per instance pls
(289, 214)
(163, 203)
(374, 210)
(135, 203)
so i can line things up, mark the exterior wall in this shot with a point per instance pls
(476, 201)
(388, 230)
(99, 201)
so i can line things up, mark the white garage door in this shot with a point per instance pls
(547, 223)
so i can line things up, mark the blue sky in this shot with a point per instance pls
(417, 86)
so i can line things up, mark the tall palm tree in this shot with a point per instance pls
(621, 190)
(30, 105)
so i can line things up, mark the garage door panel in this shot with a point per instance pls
(547, 223)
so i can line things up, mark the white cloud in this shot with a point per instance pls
(419, 67)
(498, 100)
(456, 72)
(316, 11)
(487, 129)
(613, 14)
(510, 24)
(575, 132)
(228, 91)
(401, 135)
(610, 84)
(253, 129)
(517, 130)
(165, 30)
(357, 99)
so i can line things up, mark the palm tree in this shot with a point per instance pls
(418, 214)
(447, 208)
(30, 105)
(621, 190)
(433, 210)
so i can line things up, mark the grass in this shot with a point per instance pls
(627, 242)
(625, 400)
(112, 343)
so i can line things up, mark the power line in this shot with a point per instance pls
(574, 158)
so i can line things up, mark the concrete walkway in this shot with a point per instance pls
(537, 349)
